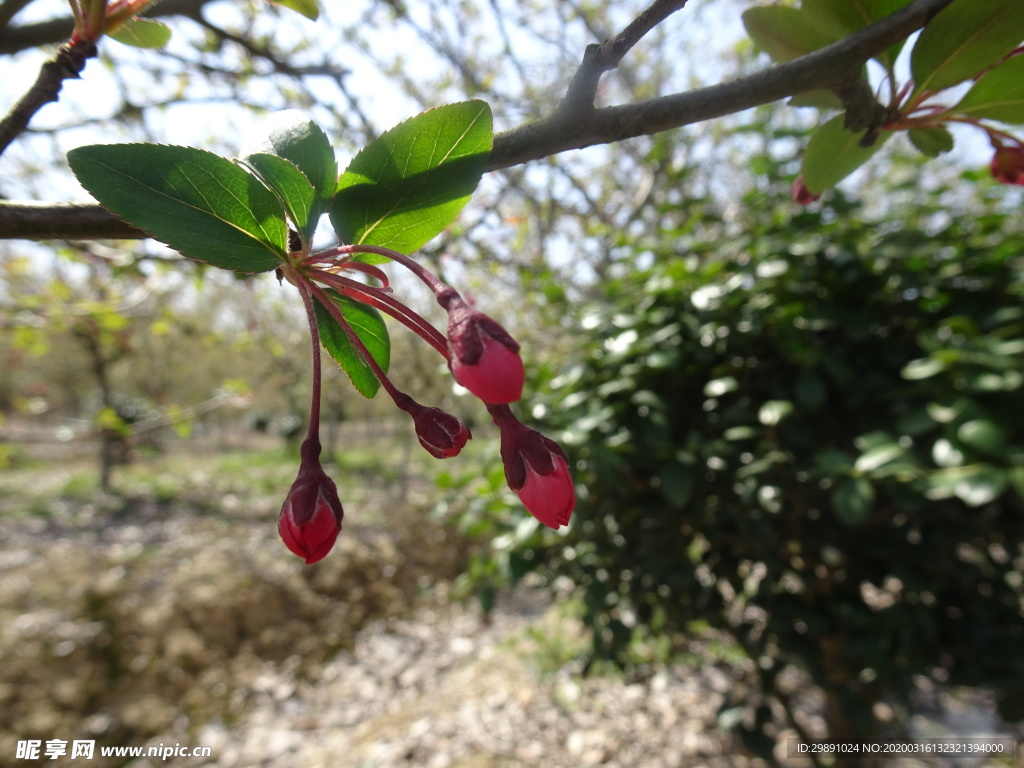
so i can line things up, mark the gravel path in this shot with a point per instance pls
(445, 690)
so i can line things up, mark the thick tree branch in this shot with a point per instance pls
(575, 128)
(62, 221)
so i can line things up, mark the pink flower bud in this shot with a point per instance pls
(442, 434)
(484, 357)
(311, 515)
(1008, 165)
(537, 469)
(801, 193)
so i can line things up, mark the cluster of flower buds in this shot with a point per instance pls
(483, 358)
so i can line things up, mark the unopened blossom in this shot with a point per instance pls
(1008, 165)
(536, 469)
(484, 356)
(439, 432)
(311, 515)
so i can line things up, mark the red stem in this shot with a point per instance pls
(992, 132)
(413, 266)
(375, 297)
(352, 266)
(357, 343)
(313, 433)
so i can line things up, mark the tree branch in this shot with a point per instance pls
(55, 31)
(67, 64)
(9, 9)
(568, 129)
(598, 59)
(62, 221)
(827, 68)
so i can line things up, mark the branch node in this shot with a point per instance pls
(863, 112)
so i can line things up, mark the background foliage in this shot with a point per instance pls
(802, 428)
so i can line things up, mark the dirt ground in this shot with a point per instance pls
(148, 623)
(163, 618)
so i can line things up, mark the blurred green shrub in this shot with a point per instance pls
(808, 434)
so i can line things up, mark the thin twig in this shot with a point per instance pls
(598, 59)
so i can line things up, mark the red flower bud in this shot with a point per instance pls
(442, 434)
(537, 469)
(550, 498)
(484, 357)
(311, 515)
(1008, 165)
(801, 193)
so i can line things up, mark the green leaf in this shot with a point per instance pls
(998, 95)
(963, 40)
(293, 136)
(980, 484)
(677, 483)
(879, 9)
(202, 205)
(974, 485)
(931, 141)
(739, 433)
(833, 153)
(784, 32)
(943, 413)
(852, 499)
(719, 387)
(142, 33)
(819, 99)
(1016, 476)
(841, 18)
(307, 8)
(946, 455)
(983, 435)
(774, 411)
(408, 185)
(922, 368)
(878, 456)
(369, 327)
(292, 188)
(838, 19)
